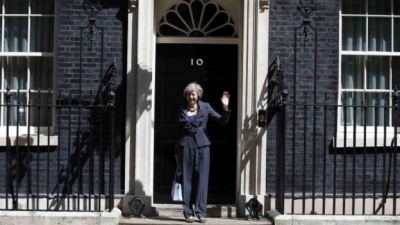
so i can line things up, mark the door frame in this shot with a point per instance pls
(253, 29)
(235, 11)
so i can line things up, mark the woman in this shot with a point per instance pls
(193, 149)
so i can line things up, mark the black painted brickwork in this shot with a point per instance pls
(284, 18)
(300, 132)
(75, 132)
(112, 22)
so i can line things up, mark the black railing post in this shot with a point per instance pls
(38, 183)
(281, 138)
(376, 110)
(304, 169)
(325, 152)
(112, 158)
(335, 131)
(58, 108)
(91, 155)
(283, 147)
(29, 190)
(8, 161)
(395, 97)
(278, 185)
(111, 105)
(49, 121)
(365, 108)
(17, 151)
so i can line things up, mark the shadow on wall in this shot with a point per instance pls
(268, 99)
(86, 140)
(252, 136)
(99, 137)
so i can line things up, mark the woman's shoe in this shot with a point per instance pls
(189, 219)
(203, 220)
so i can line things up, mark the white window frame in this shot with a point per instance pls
(44, 135)
(370, 130)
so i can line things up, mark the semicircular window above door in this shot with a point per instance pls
(196, 18)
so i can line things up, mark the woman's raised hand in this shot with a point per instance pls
(225, 99)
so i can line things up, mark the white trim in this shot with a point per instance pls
(185, 40)
(369, 53)
(188, 25)
(251, 179)
(364, 54)
(23, 129)
(49, 54)
(359, 143)
(23, 140)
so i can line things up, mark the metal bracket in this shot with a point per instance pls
(92, 8)
(254, 207)
(306, 11)
(136, 204)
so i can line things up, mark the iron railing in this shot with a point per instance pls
(332, 164)
(331, 158)
(65, 165)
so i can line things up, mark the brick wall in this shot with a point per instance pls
(82, 132)
(79, 73)
(312, 164)
(285, 22)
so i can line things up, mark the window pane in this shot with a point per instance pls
(375, 116)
(1, 80)
(16, 34)
(1, 31)
(379, 34)
(396, 72)
(349, 101)
(18, 112)
(41, 39)
(396, 7)
(355, 114)
(353, 34)
(16, 6)
(352, 72)
(40, 114)
(378, 72)
(379, 7)
(41, 69)
(396, 31)
(353, 7)
(42, 7)
(15, 72)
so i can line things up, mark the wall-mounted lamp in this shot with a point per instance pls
(264, 5)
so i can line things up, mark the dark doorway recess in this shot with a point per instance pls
(215, 68)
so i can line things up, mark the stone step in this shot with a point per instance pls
(180, 220)
(175, 210)
(172, 214)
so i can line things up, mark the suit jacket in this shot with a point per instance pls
(198, 129)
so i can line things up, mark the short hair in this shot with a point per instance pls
(193, 87)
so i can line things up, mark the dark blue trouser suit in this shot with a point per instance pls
(195, 172)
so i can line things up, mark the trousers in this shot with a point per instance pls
(195, 164)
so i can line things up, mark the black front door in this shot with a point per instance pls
(215, 68)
